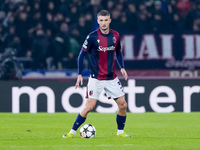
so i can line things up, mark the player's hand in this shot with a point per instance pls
(79, 79)
(124, 73)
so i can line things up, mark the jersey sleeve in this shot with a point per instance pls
(80, 61)
(85, 48)
(119, 56)
(87, 44)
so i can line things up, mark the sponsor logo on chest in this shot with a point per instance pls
(110, 48)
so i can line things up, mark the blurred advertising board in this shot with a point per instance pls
(174, 54)
(149, 95)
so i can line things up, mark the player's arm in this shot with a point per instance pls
(80, 68)
(120, 61)
(86, 47)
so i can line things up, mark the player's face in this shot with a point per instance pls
(104, 22)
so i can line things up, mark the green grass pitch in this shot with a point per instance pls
(150, 131)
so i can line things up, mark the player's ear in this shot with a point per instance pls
(110, 20)
(98, 22)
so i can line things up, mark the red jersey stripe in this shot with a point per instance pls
(102, 57)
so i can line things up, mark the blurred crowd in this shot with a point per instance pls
(48, 34)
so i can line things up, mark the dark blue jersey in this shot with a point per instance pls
(102, 49)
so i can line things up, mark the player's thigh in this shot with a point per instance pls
(94, 88)
(91, 102)
(113, 88)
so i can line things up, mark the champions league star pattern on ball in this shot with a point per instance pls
(101, 48)
(87, 131)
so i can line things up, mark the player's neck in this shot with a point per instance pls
(106, 31)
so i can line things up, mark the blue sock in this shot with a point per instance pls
(78, 122)
(120, 122)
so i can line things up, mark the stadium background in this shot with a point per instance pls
(40, 41)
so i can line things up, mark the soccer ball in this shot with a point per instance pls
(87, 131)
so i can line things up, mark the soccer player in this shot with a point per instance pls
(102, 45)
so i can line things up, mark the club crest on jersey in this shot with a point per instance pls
(114, 40)
(91, 93)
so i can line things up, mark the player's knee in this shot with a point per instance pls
(89, 108)
(123, 105)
